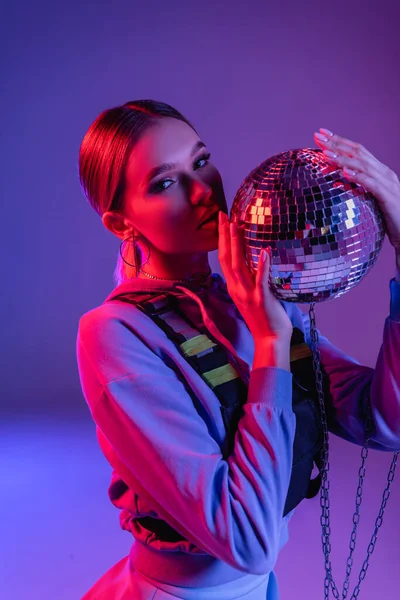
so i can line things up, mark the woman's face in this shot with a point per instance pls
(167, 208)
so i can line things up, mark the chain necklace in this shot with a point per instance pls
(196, 277)
(324, 493)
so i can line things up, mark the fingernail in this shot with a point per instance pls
(349, 172)
(330, 154)
(321, 137)
(326, 131)
(263, 255)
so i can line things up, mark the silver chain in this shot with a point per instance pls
(324, 492)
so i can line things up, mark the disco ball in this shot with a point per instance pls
(325, 231)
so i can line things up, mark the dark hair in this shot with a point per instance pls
(105, 150)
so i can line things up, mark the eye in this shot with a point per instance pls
(205, 157)
(159, 185)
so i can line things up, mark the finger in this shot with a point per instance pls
(338, 139)
(239, 267)
(362, 172)
(327, 143)
(263, 270)
(345, 154)
(351, 150)
(370, 166)
(344, 147)
(224, 246)
(372, 184)
(338, 143)
(350, 163)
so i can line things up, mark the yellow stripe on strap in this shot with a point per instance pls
(196, 344)
(220, 375)
(299, 351)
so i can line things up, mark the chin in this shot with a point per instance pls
(209, 245)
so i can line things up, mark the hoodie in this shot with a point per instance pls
(159, 426)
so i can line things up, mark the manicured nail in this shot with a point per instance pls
(321, 137)
(326, 131)
(330, 154)
(349, 172)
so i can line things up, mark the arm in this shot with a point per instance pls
(350, 384)
(272, 353)
(231, 508)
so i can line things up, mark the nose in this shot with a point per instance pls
(199, 191)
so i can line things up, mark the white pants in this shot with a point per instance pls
(123, 582)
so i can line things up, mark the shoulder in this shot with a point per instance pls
(107, 318)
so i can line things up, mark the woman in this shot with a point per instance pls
(207, 519)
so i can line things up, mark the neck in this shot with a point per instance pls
(200, 277)
(175, 267)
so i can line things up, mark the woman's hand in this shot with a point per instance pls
(261, 310)
(360, 166)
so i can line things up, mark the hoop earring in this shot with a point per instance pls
(136, 253)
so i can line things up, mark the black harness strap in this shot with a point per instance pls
(214, 364)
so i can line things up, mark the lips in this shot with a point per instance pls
(208, 217)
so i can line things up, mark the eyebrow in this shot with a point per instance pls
(169, 166)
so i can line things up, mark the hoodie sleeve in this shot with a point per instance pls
(350, 384)
(230, 508)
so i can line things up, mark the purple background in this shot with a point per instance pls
(255, 78)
